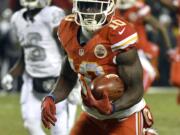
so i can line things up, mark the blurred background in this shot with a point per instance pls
(161, 96)
(9, 51)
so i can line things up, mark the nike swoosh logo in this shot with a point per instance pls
(122, 31)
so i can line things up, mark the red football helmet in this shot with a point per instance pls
(92, 14)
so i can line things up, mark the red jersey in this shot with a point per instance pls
(97, 56)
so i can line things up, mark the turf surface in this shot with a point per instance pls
(163, 105)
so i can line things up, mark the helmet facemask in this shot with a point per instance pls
(125, 4)
(92, 14)
(32, 4)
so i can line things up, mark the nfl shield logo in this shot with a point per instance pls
(81, 52)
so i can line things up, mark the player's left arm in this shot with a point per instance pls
(130, 70)
(155, 24)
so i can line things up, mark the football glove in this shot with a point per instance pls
(7, 82)
(48, 111)
(148, 118)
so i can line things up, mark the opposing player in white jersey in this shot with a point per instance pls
(40, 64)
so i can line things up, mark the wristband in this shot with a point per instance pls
(52, 96)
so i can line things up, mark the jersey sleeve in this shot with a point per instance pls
(122, 37)
(60, 30)
(65, 28)
(53, 16)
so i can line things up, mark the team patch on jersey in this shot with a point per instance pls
(100, 51)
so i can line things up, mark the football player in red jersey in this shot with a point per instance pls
(98, 42)
(138, 13)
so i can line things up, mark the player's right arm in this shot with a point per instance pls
(66, 82)
(63, 87)
(18, 68)
(15, 71)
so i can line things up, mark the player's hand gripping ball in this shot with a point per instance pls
(111, 83)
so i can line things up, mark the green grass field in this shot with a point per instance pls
(163, 105)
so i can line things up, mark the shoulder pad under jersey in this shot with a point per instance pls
(121, 34)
